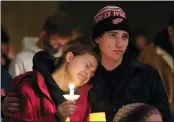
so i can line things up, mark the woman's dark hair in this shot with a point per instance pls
(45, 61)
(136, 112)
(76, 49)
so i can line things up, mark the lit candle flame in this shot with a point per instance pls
(71, 88)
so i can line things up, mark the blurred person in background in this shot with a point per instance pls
(6, 80)
(160, 54)
(7, 55)
(57, 31)
(7, 51)
(138, 43)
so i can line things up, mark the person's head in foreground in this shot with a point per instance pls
(111, 32)
(138, 112)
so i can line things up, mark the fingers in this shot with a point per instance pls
(6, 114)
(13, 99)
(68, 113)
(11, 94)
(67, 108)
(12, 110)
(70, 109)
(69, 102)
(15, 105)
(69, 105)
(12, 107)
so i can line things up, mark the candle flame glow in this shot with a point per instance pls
(71, 88)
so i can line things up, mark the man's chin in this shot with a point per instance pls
(54, 51)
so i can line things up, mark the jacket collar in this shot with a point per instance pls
(42, 86)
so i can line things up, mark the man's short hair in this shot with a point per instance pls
(60, 23)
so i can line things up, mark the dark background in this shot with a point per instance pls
(25, 18)
(147, 15)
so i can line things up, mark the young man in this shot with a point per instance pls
(120, 80)
(57, 31)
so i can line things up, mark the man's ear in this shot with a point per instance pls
(43, 33)
(97, 40)
(69, 56)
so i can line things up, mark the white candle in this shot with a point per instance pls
(71, 88)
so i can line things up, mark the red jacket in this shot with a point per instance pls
(37, 105)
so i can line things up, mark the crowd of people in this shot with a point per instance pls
(127, 79)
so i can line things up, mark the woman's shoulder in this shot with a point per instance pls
(26, 81)
(25, 76)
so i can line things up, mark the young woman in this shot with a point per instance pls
(138, 112)
(77, 66)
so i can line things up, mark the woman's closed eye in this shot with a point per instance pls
(87, 66)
